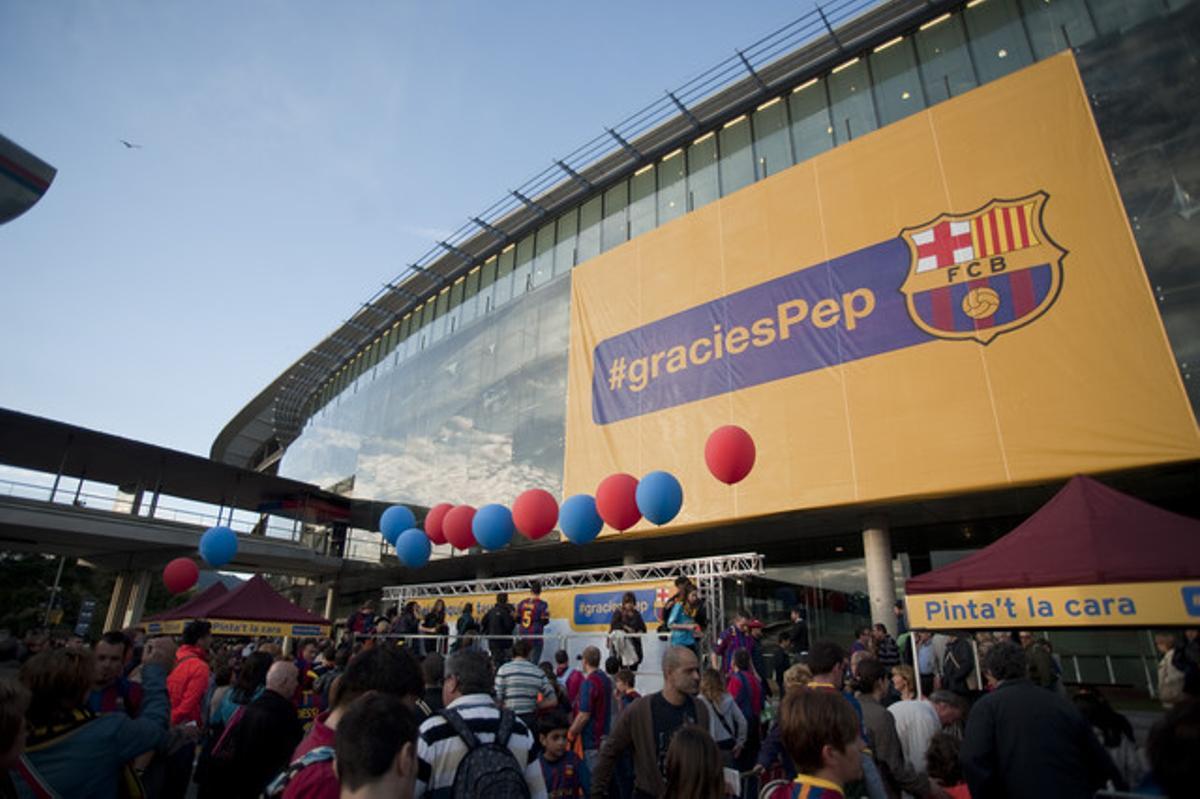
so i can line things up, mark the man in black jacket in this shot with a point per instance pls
(498, 624)
(267, 733)
(957, 664)
(1022, 740)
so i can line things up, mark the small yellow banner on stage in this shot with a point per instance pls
(1157, 604)
(249, 629)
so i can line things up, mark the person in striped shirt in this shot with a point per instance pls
(520, 683)
(466, 690)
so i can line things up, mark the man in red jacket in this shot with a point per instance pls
(189, 679)
(186, 687)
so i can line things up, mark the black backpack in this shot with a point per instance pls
(487, 769)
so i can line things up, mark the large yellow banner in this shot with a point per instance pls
(953, 302)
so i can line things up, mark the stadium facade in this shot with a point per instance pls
(935, 257)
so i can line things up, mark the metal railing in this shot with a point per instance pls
(244, 522)
(551, 643)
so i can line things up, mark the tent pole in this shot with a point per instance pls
(978, 672)
(916, 662)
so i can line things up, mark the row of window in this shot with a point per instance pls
(947, 56)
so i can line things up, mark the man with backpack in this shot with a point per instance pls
(473, 748)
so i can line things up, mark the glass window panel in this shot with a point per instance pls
(772, 141)
(642, 202)
(441, 322)
(456, 306)
(616, 225)
(812, 130)
(898, 91)
(737, 156)
(426, 322)
(487, 286)
(504, 277)
(672, 187)
(703, 187)
(851, 103)
(589, 230)
(543, 257)
(945, 62)
(523, 271)
(402, 342)
(1056, 26)
(470, 305)
(564, 250)
(997, 39)
(1118, 16)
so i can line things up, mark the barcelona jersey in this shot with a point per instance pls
(532, 616)
(566, 778)
(806, 787)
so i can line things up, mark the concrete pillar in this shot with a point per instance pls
(138, 591)
(118, 603)
(881, 582)
(330, 596)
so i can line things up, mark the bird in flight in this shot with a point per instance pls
(131, 145)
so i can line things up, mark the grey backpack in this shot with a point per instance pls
(487, 769)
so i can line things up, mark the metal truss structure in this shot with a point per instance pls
(706, 573)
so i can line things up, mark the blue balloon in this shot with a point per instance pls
(413, 548)
(659, 497)
(493, 526)
(579, 519)
(394, 521)
(218, 546)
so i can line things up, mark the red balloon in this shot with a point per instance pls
(729, 454)
(435, 521)
(535, 513)
(616, 501)
(457, 526)
(180, 574)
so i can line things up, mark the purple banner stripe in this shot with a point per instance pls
(832, 313)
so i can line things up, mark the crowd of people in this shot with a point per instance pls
(381, 714)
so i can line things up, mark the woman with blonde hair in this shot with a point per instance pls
(904, 679)
(798, 675)
(693, 767)
(726, 722)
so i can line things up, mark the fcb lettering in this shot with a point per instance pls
(980, 274)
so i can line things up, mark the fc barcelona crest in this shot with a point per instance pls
(983, 273)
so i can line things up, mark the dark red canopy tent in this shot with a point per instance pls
(1091, 556)
(194, 607)
(252, 609)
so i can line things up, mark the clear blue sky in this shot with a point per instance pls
(295, 155)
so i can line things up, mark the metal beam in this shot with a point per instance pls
(708, 569)
(450, 248)
(629, 148)
(376, 310)
(683, 109)
(437, 276)
(528, 202)
(401, 290)
(495, 231)
(578, 178)
(832, 34)
(746, 63)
